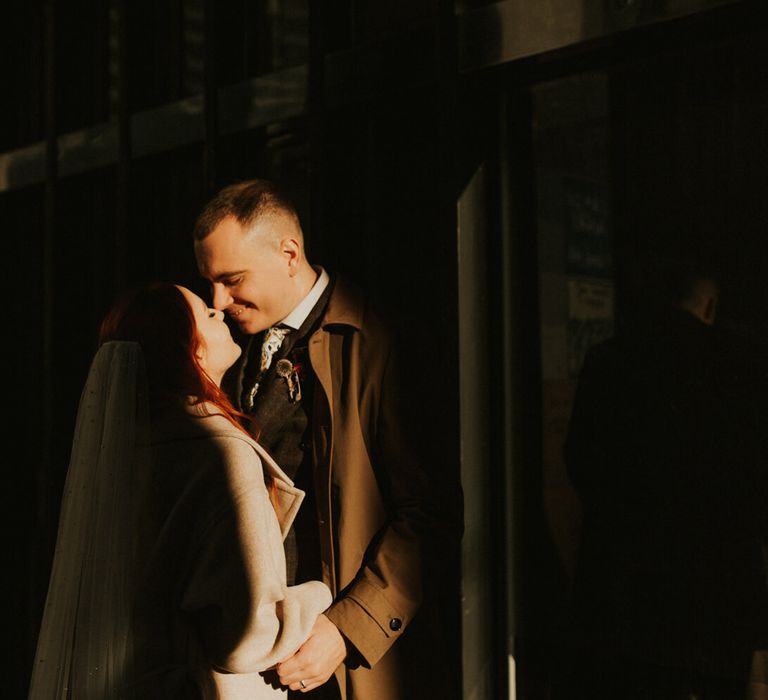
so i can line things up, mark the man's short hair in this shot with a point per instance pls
(247, 202)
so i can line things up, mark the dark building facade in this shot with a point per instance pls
(508, 178)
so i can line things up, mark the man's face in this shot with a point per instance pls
(250, 273)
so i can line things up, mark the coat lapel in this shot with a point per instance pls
(289, 498)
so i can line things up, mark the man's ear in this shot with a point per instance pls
(290, 248)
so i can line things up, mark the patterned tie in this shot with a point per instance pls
(273, 338)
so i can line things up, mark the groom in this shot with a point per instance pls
(318, 376)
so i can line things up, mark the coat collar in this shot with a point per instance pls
(289, 497)
(346, 306)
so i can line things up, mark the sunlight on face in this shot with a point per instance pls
(218, 349)
(251, 272)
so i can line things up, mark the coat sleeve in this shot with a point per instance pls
(378, 606)
(247, 618)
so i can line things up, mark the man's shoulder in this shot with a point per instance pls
(346, 304)
(351, 306)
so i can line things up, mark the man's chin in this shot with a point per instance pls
(250, 326)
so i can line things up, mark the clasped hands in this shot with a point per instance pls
(314, 662)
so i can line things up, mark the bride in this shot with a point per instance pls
(168, 579)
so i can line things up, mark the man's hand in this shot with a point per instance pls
(316, 660)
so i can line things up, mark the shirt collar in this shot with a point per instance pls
(302, 310)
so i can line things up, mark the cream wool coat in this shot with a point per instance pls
(214, 609)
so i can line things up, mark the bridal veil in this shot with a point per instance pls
(84, 648)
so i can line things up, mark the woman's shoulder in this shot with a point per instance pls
(203, 434)
(197, 438)
(198, 424)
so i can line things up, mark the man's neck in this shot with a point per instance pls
(304, 305)
(306, 280)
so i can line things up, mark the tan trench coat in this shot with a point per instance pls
(370, 492)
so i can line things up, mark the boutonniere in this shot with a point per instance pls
(290, 373)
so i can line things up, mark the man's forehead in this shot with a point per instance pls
(221, 248)
(220, 264)
(216, 265)
(231, 249)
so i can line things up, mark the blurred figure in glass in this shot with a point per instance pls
(669, 598)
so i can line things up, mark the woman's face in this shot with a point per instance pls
(218, 351)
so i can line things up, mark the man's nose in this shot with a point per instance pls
(221, 297)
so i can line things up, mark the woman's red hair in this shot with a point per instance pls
(159, 318)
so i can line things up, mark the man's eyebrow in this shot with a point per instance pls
(225, 275)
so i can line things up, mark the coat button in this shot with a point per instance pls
(395, 624)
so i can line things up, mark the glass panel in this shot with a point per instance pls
(576, 275)
(84, 63)
(253, 38)
(165, 43)
(651, 215)
(21, 74)
(26, 539)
